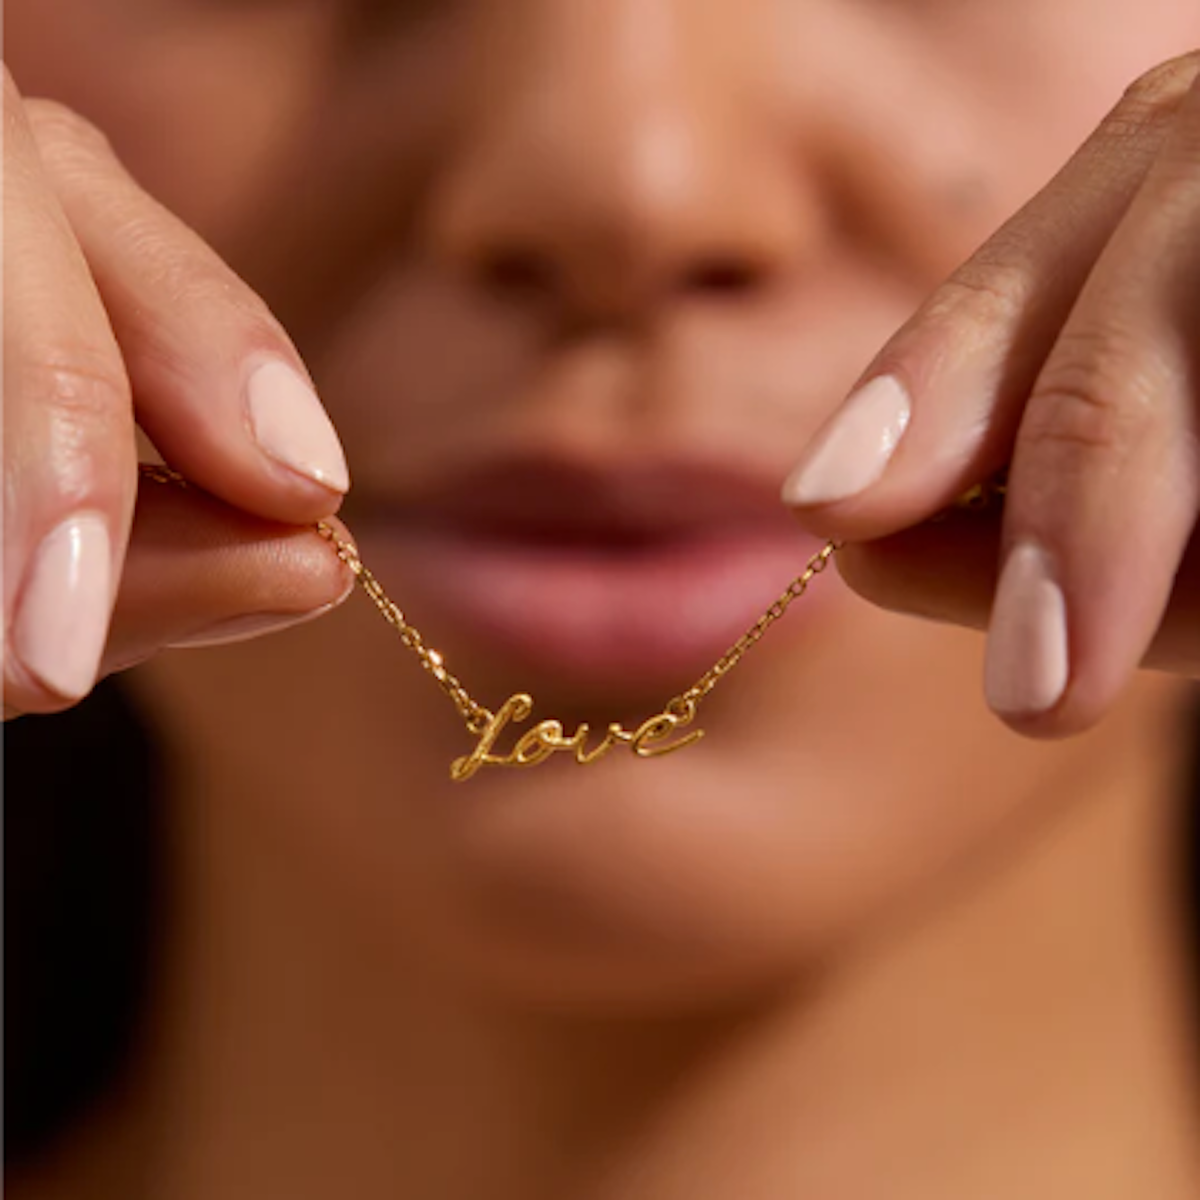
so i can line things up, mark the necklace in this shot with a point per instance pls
(666, 732)
(653, 738)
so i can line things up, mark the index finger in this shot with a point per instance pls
(939, 408)
(217, 384)
(68, 443)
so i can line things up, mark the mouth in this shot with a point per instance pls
(607, 578)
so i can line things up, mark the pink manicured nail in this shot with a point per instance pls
(62, 621)
(1027, 659)
(852, 451)
(291, 426)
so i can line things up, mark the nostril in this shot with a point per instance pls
(723, 276)
(524, 274)
(517, 273)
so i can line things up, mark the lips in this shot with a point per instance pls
(587, 574)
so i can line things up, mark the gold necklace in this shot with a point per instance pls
(653, 738)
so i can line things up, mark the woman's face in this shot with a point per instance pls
(577, 280)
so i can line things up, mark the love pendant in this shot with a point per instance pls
(653, 738)
(536, 745)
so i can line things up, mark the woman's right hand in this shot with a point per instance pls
(116, 313)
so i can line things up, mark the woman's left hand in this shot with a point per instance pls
(1067, 348)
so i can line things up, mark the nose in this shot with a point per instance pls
(613, 156)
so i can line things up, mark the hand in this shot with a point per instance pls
(1068, 347)
(116, 313)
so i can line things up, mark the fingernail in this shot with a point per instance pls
(852, 451)
(62, 620)
(1027, 661)
(292, 427)
(244, 628)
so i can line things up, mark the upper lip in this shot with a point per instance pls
(546, 499)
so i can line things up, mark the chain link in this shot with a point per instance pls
(684, 705)
(472, 712)
(478, 717)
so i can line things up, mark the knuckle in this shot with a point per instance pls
(1074, 418)
(1092, 396)
(992, 287)
(79, 437)
(85, 391)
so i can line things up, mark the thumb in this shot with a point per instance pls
(946, 570)
(200, 573)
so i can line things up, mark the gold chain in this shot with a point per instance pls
(649, 740)
(685, 702)
(472, 712)
(477, 717)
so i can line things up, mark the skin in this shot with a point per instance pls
(825, 952)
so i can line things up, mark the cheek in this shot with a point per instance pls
(1050, 72)
(201, 102)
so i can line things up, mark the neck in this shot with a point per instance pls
(1025, 1034)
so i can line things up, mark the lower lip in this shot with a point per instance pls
(595, 613)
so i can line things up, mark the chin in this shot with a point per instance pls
(631, 886)
(691, 883)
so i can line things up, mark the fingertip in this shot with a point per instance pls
(200, 573)
(942, 570)
(246, 627)
(1077, 711)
